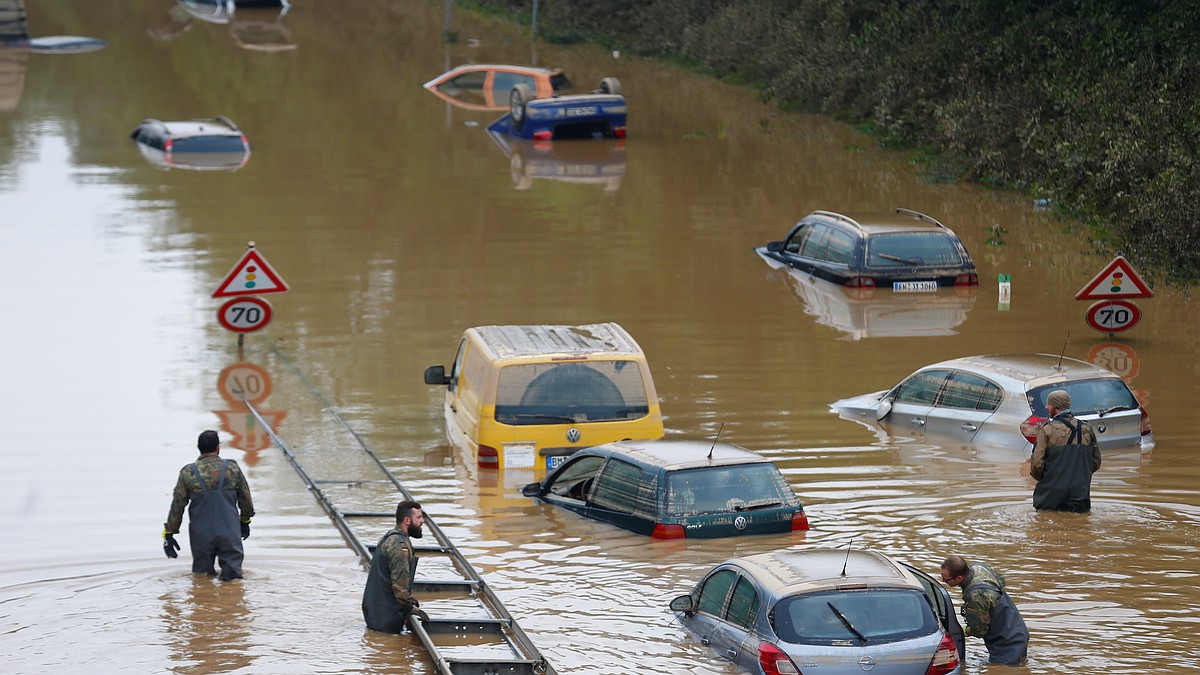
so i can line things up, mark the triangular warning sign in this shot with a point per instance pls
(1117, 280)
(250, 276)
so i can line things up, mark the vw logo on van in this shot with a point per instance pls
(573, 435)
(740, 522)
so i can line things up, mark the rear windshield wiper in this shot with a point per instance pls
(846, 622)
(1116, 408)
(906, 261)
(757, 504)
(569, 419)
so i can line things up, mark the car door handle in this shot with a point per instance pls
(732, 654)
(918, 422)
(704, 641)
(453, 408)
(969, 427)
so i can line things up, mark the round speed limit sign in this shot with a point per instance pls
(1111, 316)
(245, 314)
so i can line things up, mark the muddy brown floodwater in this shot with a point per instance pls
(397, 222)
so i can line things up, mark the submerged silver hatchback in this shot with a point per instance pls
(1000, 401)
(830, 611)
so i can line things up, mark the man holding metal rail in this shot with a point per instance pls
(387, 599)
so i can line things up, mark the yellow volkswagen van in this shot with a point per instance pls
(526, 397)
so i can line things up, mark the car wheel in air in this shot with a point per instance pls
(517, 98)
(610, 85)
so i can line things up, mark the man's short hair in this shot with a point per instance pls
(956, 565)
(208, 442)
(405, 508)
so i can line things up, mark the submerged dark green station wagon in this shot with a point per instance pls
(671, 489)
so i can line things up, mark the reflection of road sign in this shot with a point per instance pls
(247, 433)
(250, 276)
(244, 381)
(245, 315)
(1114, 356)
(1111, 316)
(1117, 280)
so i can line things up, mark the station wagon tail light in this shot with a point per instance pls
(168, 146)
(665, 531)
(775, 662)
(543, 135)
(245, 142)
(968, 279)
(618, 132)
(1146, 431)
(945, 659)
(799, 521)
(488, 455)
(861, 282)
(1030, 426)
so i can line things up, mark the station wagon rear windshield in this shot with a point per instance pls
(721, 489)
(913, 249)
(1088, 397)
(571, 393)
(846, 617)
(209, 144)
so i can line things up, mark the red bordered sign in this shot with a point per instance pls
(1112, 316)
(245, 315)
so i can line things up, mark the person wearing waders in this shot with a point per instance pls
(1064, 458)
(989, 612)
(387, 598)
(217, 497)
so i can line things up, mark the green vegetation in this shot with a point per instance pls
(1094, 105)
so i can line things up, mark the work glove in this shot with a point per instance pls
(170, 546)
(245, 529)
(420, 614)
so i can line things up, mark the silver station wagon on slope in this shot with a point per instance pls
(1000, 401)
(825, 611)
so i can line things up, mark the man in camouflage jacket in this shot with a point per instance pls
(387, 598)
(989, 612)
(219, 511)
(1065, 456)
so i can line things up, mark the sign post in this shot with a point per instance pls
(250, 276)
(1115, 286)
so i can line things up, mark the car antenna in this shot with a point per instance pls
(714, 443)
(1064, 351)
(847, 562)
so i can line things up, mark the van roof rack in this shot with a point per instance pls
(838, 216)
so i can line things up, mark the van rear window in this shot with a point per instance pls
(571, 393)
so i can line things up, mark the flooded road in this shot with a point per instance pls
(397, 222)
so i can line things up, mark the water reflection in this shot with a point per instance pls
(240, 383)
(597, 162)
(867, 313)
(257, 26)
(207, 625)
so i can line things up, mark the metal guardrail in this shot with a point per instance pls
(495, 628)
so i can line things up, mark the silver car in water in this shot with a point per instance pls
(830, 611)
(1000, 401)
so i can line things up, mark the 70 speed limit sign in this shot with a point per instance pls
(1111, 316)
(245, 314)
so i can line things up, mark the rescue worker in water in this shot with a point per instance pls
(387, 598)
(219, 511)
(989, 612)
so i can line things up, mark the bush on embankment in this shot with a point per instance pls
(1092, 104)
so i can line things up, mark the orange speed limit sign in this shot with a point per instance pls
(244, 381)
(1119, 358)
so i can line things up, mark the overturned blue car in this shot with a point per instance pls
(599, 114)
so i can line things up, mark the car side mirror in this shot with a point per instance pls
(436, 375)
(683, 604)
(775, 246)
(884, 409)
(532, 490)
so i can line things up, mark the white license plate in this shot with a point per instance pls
(519, 455)
(555, 461)
(914, 286)
(582, 111)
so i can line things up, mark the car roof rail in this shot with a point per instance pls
(919, 216)
(227, 122)
(837, 216)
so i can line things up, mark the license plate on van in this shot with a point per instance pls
(914, 286)
(519, 455)
(555, 461)
(582, 111)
